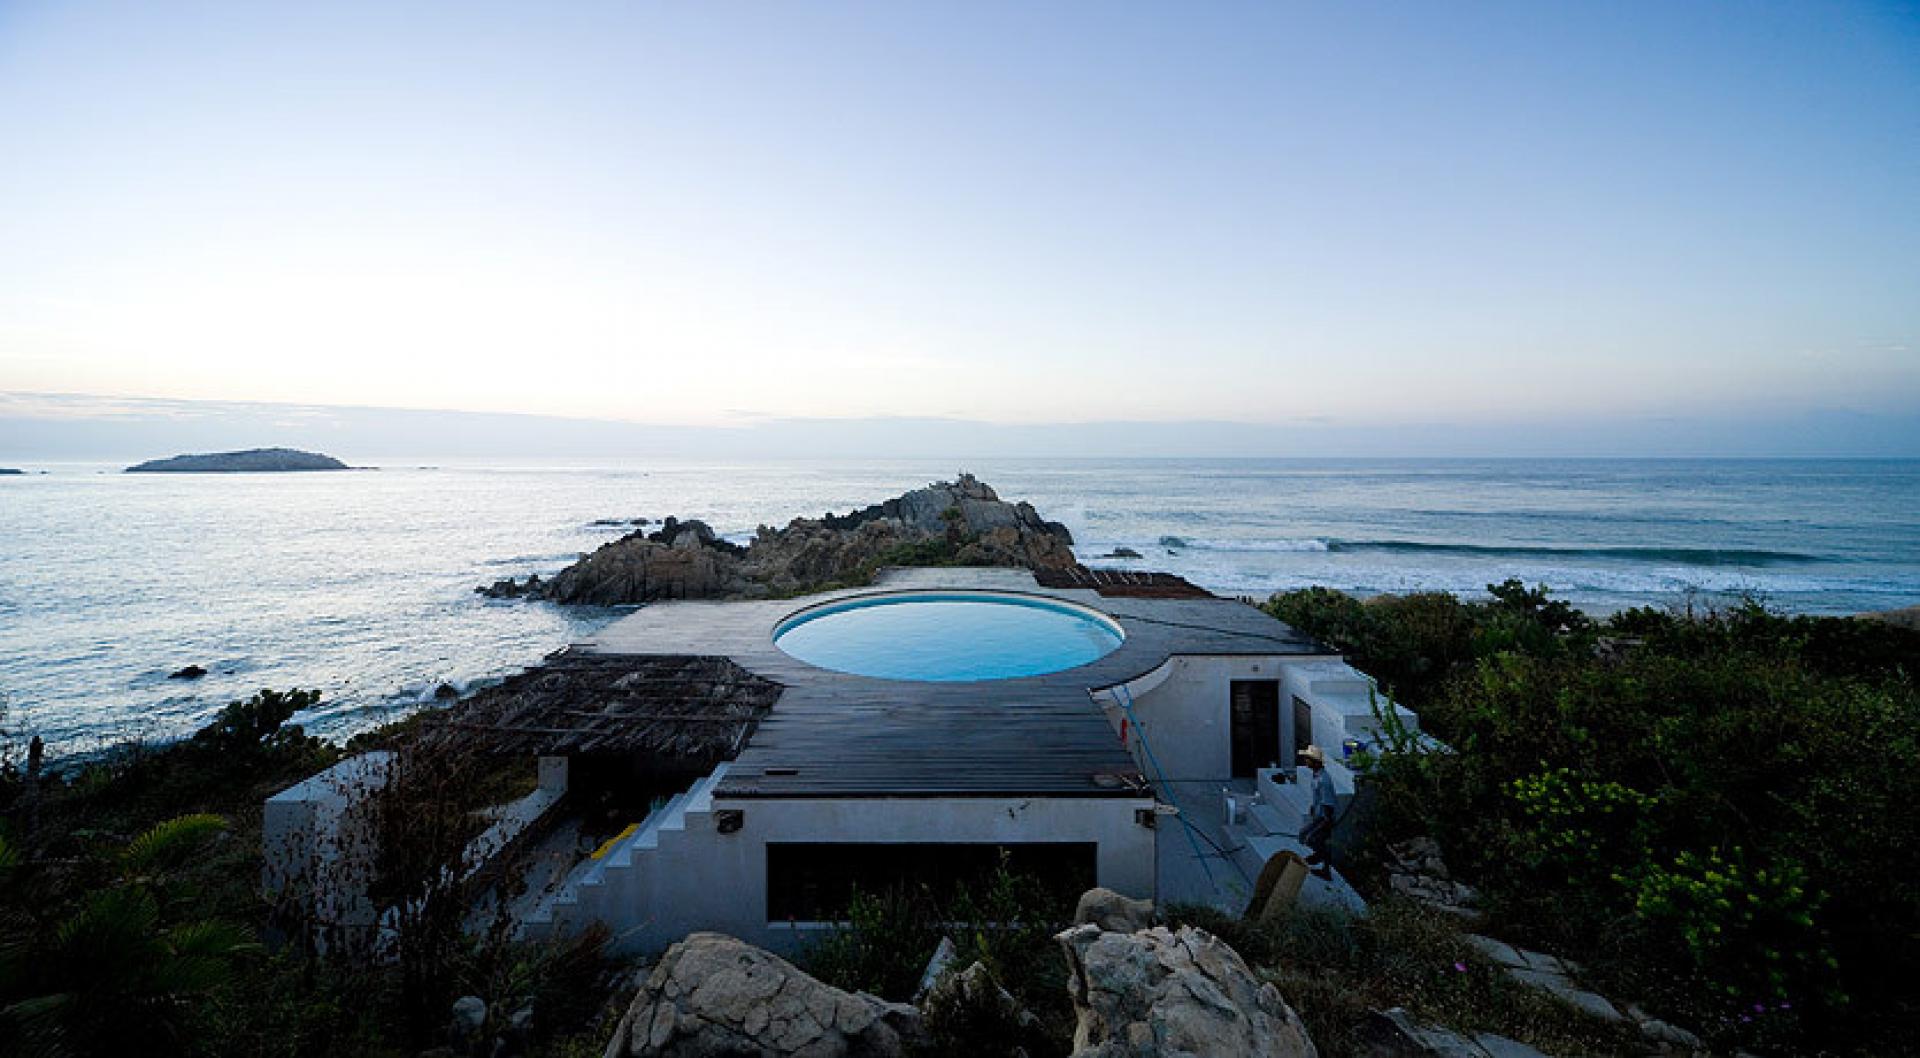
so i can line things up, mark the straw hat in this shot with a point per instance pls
(1315, 754)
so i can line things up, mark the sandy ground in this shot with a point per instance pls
(1907, 618)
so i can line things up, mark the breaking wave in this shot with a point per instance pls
(1712, 557)
(1675, 556)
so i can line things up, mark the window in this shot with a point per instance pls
(815, 881)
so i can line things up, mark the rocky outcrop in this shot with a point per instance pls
(252, 461)
(712, 995)
(962, 522)
(1163, 994)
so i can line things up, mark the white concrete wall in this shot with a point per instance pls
(317, 847)
(699, 878)
(1184, 708)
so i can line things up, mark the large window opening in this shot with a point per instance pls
(815, 881)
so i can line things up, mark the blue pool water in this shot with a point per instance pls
(947, 637)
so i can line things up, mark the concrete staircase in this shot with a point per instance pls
(620, 886)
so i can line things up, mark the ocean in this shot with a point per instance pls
(361, 584)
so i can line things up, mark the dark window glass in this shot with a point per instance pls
(815, 881)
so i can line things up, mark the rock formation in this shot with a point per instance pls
(1416, 871)
(1162, 994)
(253, 460)
(712, 995)
(961, 522)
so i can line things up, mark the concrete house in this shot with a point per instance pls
(744, 766)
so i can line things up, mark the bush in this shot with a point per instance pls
(1748, 929)
(1588, 794)
(118, 968)
(1006, 924)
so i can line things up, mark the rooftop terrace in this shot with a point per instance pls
(832, 734)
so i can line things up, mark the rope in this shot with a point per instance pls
(1125, 698)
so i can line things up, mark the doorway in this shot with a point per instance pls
(1255, 724)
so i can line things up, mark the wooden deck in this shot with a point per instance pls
(832, 734)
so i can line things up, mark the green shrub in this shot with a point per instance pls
(1006, 923)
(1587, 792)
(1748, 929)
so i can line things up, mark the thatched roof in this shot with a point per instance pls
(668, 706)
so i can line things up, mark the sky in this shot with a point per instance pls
(1376, 223)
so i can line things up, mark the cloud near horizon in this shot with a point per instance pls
(74, 427)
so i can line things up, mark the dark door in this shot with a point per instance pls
(1302, 728)
(1255, 725)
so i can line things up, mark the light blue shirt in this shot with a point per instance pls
(1325, 802)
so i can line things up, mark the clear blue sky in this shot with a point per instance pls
(1267, 213)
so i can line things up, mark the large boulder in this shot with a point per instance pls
(1112, 912)
(963, 522)
(712, 995)
(1163, 994)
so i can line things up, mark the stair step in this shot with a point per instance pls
(702, 792)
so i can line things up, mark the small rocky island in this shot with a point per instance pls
(11, 470)
(957, 523)
(251, 461)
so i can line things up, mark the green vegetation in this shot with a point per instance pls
(131, 913)
(1006, 924)
(1712, 810)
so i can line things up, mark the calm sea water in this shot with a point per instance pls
(360, 584)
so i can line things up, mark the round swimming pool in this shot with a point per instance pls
(948, 636)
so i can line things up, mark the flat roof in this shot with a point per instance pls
(834, 734)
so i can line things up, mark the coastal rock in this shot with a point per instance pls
(1122, 552)
(962, 522)
(252, 460)
(1179, 995)
(508, 588)
(190, 672)
(713, 995)
(11, 470)
(635, 569)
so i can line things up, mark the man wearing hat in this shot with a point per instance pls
(1317, 828)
